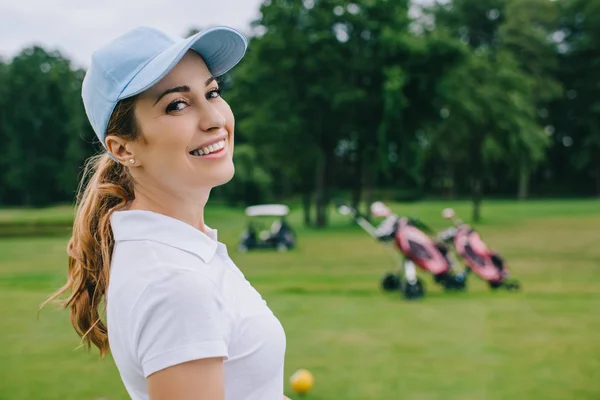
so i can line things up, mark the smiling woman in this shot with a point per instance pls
(180, 116)
(182, 322)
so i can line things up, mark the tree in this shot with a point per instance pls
(527, 34)
(576, 115)
(4, 121)
(409, 106)
(488, 108)
(324, 93)
(311, 79)
(489, 104)
(43, 127)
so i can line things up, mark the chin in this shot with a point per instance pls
(224, 175)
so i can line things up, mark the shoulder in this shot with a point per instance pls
(145, 261)
(174, 282)
(180, 296)
(179, 317)
(166, 295)
(147, 254)
(151, 276)
(154, 275)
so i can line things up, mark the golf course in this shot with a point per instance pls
(358, 342)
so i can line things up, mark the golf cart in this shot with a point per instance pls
(278, 236)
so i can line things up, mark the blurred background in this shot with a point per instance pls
(491, 107)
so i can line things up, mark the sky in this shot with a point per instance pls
(77, 27)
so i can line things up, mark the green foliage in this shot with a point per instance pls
(490, 103)
(313, 78)
(492, 98)
(41, 130)
(251, 182)
(577, 113)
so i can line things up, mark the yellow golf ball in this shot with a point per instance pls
(302, 381)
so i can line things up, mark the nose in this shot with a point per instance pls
(211, 118)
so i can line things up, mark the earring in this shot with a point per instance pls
(131, 160)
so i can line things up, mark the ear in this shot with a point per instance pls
(121, 150)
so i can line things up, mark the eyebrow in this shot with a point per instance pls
(181, 89)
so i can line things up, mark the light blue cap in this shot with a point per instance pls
(140, 58)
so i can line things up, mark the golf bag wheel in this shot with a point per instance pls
(451, 281)
(512, 285)
(390, 282)
(412, 291)
(459, 284)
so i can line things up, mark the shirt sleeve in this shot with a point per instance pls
(178, 319)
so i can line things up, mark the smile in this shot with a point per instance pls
(210, 149)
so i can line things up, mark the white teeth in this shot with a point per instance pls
(209, 149)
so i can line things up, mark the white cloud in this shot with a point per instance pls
(77, 27)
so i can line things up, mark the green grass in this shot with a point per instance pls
(56, 214)
(359, 343)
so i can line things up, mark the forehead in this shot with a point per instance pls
(190, 70)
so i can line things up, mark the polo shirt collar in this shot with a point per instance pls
(147, 225)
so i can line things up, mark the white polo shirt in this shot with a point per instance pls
(174, 295)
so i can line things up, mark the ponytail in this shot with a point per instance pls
(106, 186)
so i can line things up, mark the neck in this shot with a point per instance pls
(186, 207)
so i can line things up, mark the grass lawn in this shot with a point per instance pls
(358, 342)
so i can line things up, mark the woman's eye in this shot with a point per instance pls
(213, 94)
(176, 106)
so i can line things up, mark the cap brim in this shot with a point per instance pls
(221, 49)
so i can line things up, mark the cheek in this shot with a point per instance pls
(167, 139)
(229, 125)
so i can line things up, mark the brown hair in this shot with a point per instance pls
(106, 186)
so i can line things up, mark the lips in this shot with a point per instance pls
(213, 146)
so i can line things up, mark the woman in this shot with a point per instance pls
(182, 321)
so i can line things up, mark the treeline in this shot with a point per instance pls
(465, 98)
